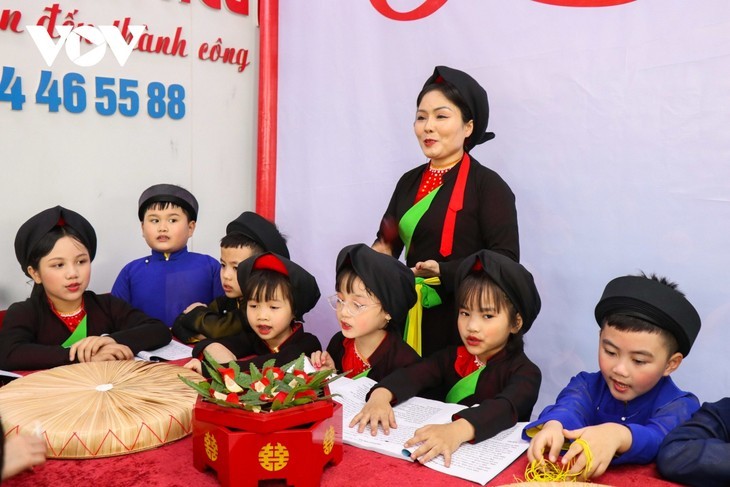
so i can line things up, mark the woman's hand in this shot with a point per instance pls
(322, 360)
(428, 268)
(114, 351)
(220, 353)
(21, 453)
(376, 411)
(195, 365)
(84, 349)
(440, 439)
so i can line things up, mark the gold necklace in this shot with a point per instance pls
(357, 354)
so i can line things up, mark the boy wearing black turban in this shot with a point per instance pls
(248, 235)
(622, 413)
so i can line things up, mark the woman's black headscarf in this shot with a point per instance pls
(475, 97)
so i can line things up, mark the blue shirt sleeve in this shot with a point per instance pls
(121, 288)
(573, 407)
(646, 438)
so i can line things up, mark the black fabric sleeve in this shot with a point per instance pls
(513, 403)
(409, 381)
(19, 341)
(389, 223)
(696, 453)
(134, 328)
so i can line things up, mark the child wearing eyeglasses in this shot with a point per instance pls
(374, 293)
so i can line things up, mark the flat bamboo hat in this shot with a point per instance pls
(101, 409)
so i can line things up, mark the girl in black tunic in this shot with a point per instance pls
(498, 303)
(62, 322)
(276, 294)
(374, 293)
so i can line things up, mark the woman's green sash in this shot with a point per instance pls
(407, 223)
(465, 387)
(78, 334)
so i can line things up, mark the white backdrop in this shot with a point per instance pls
(612, 131)
(100, 165)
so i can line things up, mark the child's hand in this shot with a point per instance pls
(428, 268)
(604, 440)
(440, 439)
(192, 307)
(114, 351)
(195, 365)
(376, 410)
(85, 348)
(551, 437)
(220, 353)
(21, 453)
(322, 360)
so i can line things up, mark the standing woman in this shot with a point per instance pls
(448, 208)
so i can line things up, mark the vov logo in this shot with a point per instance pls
(100, 37)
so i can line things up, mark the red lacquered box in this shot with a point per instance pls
(243, 447)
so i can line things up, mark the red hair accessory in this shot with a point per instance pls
(271, 262)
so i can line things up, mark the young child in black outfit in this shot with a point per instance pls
(62, 322)
(277, 293)
(248, 235)
(374, 293)
(498, 303)
(697, 452)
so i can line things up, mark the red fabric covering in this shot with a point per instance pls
(171, 466)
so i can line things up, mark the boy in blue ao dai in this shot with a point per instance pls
(624, 411)
(166, 282)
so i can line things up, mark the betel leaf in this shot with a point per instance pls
(236, 368)
(254, 372)
(202, 387)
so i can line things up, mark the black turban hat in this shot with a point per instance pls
(652, 301)
(168, 193)
(516, 281)
(303, 284)
(475, 97)
(32, 231)
(389, 279)
(261, 231)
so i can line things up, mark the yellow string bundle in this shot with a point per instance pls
(547, 471)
